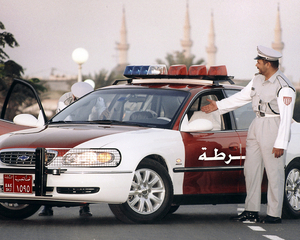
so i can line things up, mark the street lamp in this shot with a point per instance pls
(80, 56)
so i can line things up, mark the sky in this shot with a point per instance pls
(49, 30)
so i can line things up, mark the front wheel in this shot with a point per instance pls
(17, 211)
(150, 195)
(291, 203)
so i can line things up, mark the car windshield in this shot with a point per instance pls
(131, 106)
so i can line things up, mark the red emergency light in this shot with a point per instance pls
(195, 70)
(177, 70)
(217, 71)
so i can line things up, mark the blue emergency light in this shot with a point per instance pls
(142, 70)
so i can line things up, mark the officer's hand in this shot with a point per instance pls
(210, 107)
(278, 152)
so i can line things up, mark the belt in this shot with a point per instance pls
(261, 114)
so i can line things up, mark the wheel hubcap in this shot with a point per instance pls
(147, 192)
(292, 188)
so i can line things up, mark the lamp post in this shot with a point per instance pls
(80, 56)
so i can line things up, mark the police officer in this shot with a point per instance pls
(78, 90)
(273, 97)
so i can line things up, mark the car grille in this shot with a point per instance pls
(23, 158)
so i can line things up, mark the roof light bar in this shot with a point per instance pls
(198, 70)
(216, 73)
(177, 70)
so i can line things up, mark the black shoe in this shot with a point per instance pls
(270, 219)
(85, 211)
(246, 216)
(47, 211)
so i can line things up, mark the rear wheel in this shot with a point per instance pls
(291, 203)
(150, 195)
(17, 211)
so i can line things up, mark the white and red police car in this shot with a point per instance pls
(141, 145)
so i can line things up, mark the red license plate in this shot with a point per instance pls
(17, 183)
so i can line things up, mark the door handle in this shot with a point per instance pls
(233, 146)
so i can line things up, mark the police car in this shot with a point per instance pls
(141, 145)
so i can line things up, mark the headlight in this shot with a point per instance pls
(92, 158)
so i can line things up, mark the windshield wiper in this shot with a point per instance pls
(115, 122)
(104, 122)
(59, 122)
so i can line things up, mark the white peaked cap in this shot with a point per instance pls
(268, 54)
(79, 89)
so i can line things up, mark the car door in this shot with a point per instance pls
(18, 97)
(213, 159)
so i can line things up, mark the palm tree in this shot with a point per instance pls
(102, 78)
(9, 67)
(179, 58)
(6, 38)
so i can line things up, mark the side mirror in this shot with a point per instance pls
(198, 125)
(29, 120)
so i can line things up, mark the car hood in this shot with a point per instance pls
(59, 136)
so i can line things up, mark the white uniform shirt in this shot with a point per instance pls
(285, 101)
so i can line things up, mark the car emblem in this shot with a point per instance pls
(23, 158)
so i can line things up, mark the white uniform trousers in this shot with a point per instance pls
(261, 137)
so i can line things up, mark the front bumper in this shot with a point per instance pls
(74, 185)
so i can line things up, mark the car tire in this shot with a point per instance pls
(150, 195)
(291, 202)
(17, 211)
(173, 209)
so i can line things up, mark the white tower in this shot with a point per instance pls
(278, 45)
(211, 49)
(123, 46)
(186, 42)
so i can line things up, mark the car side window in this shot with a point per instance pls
(243, 115)
(196, 113)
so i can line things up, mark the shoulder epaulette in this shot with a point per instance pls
(284, 83)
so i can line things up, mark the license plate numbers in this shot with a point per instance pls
(17, 183)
